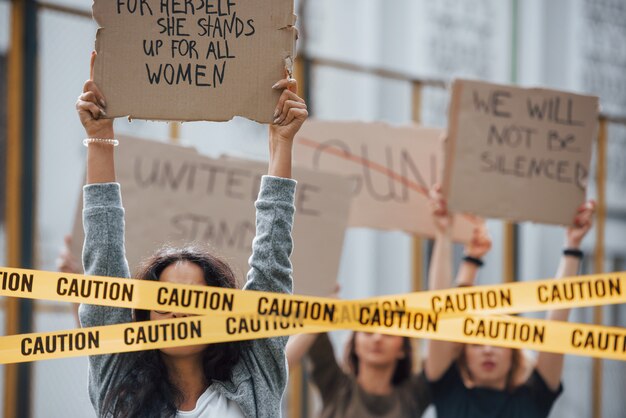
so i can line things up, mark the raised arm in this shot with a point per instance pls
(441, 354)
(325, 372)
(290, 114)
(67, 263)
(270, 264)
(440, 271)
(90, 107)
(103, 214)
(300, 344)
(103, 222)
(550, 365)
(474, 251)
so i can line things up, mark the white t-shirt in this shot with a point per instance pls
(213, 404)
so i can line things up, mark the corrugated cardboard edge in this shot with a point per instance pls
(451, 137)
(458, 237)
(289, 60)
(453, 126)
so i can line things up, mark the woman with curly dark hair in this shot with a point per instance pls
(226, 380)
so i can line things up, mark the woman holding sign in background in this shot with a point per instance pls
(378, 380)
(244, 379)
(470, 380)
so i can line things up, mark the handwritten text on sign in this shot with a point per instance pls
(172, 195)
(518, 154)
(194, 53)
(391, 168)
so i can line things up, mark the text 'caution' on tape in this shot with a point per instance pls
(229, 315)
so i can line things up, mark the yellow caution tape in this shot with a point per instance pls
(231, 315)
(503, 331)
(541, 295)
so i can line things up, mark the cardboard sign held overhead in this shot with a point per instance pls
(392, 170)
(194, 59)
(518, 154)
(174, 196)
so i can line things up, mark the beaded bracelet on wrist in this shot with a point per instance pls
(103, 141)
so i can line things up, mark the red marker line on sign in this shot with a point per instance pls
(346, 155)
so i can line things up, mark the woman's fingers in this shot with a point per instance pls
(93, 109)
(88, 102)
(295, 113)
(435, 192)
(590, 207)
(90, 97)
(284, 118)
(92, 64)
(91, 106)
(292, 85)
(281, 108)
(437, 202)
(287, 83)
(591, 204)
(582, 221)
(290, 106)
(585, 218)
(584, 215)
(438, 207)
(90, 86)
(587, 207)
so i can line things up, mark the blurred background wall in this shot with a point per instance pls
(576, 45)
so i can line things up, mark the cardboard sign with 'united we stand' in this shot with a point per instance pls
(173, 195)
(518, 154)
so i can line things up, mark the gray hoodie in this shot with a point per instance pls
(259, 378)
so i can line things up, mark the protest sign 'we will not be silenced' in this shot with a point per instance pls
(518, 154)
